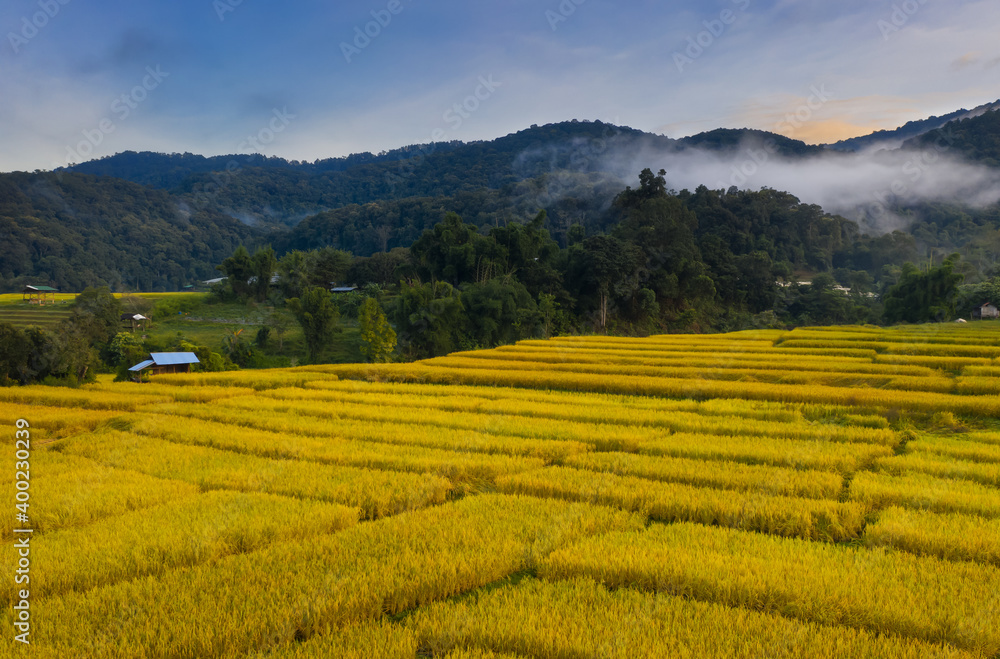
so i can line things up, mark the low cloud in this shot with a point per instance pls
(863, 186)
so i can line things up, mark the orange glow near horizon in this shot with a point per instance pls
(830, 131)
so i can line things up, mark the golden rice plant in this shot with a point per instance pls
(517, 426)
(990, 370)
(186, 394)
(680, 387)
(363, 640)
(930, 361)
(377, 493)
(368, 640)
(977, 385)
(719, 475)
(522, 418)
(942, 466)
(601, 426)
(894, 336)
(297, 589)
(580, 406)
(953, 537)
(991, 351)
(982, 437)
(787, 376)
(674, 502)
(956, 446)
(925, 492)
(39, 394)
(479, 653)
(259, 380)
(866, 353)
(193, 530)
(68, 491)
(575, 406)
(460, 466)
(402, 434)
(687, 342)
(882, 591)
(772, 361)
(581, 618)
(753, 450)
(47, 423)
(833, 344)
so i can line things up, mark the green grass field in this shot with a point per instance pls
(194, 318)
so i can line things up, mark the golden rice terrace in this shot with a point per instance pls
(825, 492)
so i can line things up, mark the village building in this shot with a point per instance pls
(164, 362)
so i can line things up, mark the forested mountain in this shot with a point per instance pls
(271, 191)
(723, 139)
(976, 139)
(75, 231)
(175, 217)
(892, 139)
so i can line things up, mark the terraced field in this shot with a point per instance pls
(825, 492)
(20, 314)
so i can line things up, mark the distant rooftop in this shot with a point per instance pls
(173, 358)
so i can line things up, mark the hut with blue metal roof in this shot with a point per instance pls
(164, 362)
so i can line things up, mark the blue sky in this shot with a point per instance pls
(86, 78)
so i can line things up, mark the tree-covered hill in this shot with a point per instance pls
(728, 139)
(976, 139)
(159, 221)
(267, 191)
(72, 231)
(272, 191)
(892, 139)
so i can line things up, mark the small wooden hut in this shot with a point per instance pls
(39, 295)
(165, 362)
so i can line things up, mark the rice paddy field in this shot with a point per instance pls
(824, 492)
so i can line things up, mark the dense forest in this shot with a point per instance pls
(75, 231)
(669, 261)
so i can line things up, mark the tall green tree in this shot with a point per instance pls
(329, 266)
(529, 253)
(264, 263)
(430, 319)
(449, 252)
(97, 315)
(378, 339)
(126, 349)
(294, 270)
(14, 354)
(663, 228)
(499, 311)
(318, 316)
(924, 296)
(239, 269)
(603, 269)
